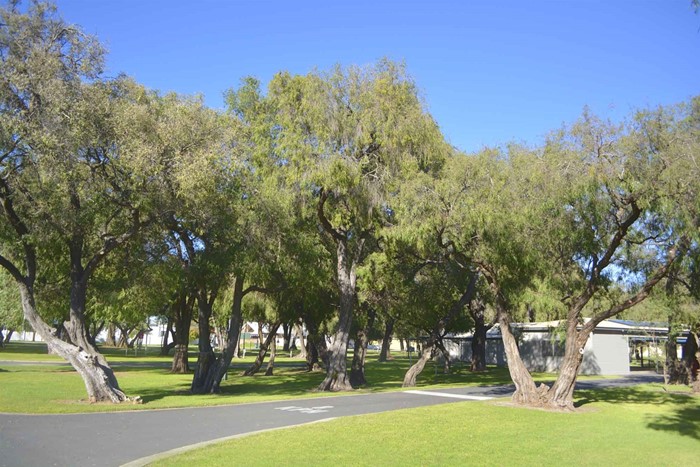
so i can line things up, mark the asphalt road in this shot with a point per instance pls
(114, 439)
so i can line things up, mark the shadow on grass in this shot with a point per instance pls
(390, 374)
(684, 417)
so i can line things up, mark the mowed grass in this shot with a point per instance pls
(45, 387)
(642, 425)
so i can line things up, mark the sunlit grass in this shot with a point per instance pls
(50, 388)
(626, 426)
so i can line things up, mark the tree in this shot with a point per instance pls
(343, 138)
(75, 176)
(619, 213)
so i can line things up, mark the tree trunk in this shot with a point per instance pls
(385, 352)
(337, 378)
(428, 350)
(8, 336)
(357, 369)
(286, 336)
(182, 312)
(561, 395)
(262, 352)
(206, 357)
(526, 392)
(299, 332)
(312, 354)
(674, 370)
(99, 379)
(445, 355)
(409, 379)
(693, 359)
(235, 324)
(478, 345)
(273, 354)
(111, 341)
(166, 345)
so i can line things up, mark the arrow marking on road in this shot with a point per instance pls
(447, 394)
(294, 408)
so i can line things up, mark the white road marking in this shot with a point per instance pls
(294, 408)
(454, 396)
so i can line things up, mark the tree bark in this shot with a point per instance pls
(271, 362)
(206, 357)
(99, 379)
(409, 379)
(526, 392)
(262, 352)
(286, 336)
(166, 344)
(693, 359)
(337, 378)
(8, 336)
(675, 372)
(385, 352)
(235, 324)
(478, 345)
(182, 312)
(299, 332)
(561, 394)
(357, 369)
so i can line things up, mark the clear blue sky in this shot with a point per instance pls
(489, 71)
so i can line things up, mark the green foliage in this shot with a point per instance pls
(11, 316)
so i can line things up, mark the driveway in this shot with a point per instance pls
(113, 439)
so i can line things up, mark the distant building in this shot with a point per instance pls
(608, 351)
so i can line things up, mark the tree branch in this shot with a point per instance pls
(325, 223)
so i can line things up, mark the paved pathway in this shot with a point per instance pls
(113, 439)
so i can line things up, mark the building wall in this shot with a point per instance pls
(611, 353)
(604, 354)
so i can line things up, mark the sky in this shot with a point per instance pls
(490, 72)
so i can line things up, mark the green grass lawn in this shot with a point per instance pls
(643, 425)
(52, 388)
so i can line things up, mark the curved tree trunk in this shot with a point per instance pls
(526, 392)
(409, 379)
(561, 395)
(8, 336)
(99, 379)
(428, 350)
(385, 352)
(262, 352)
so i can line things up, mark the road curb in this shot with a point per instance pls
(173, 452)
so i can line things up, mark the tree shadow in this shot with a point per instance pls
(683, 420)
(683, 416)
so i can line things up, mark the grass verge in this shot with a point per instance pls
(642, 425)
